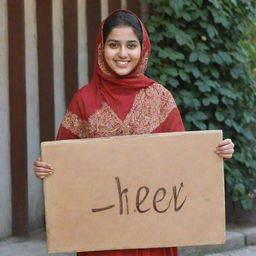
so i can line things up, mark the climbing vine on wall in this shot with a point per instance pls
(200, 52)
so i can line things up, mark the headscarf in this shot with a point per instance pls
(118, 91)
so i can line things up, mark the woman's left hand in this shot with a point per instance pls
(225, 149)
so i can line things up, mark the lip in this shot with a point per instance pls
(122, 63)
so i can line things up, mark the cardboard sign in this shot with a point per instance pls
(142, 191)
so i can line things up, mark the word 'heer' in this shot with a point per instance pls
(142, 195)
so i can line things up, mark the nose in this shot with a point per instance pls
(123, 52)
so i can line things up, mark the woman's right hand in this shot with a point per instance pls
(42, 169)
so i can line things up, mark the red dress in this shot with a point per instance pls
(112, 106)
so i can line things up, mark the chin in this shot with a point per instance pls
(122, 73)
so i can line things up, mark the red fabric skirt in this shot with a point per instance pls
(173, 251)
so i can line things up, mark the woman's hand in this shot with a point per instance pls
(42, 169)
(225, 149)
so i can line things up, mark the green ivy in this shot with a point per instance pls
(201, 53)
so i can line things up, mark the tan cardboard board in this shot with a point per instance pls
(142, 191)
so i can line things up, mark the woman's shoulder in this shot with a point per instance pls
(84, 94)
(160, 91)
(83, 91)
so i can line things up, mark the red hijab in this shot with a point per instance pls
(118, 91)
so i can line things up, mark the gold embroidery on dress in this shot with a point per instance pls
(151, 107)
(75, 124)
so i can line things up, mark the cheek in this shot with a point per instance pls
(136, 55)
(108, 54)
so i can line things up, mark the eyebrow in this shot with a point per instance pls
(129, 41)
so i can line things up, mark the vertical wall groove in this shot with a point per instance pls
(93, 15)
(58, 60)
(45, 69)
(5, 181)
(82, 44)
(70, 47)
(104, 9)
(134, 6)
(124, 4)
(114, 5)
(35, 202)
(17, 98)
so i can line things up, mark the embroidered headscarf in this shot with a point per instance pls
(119, 91)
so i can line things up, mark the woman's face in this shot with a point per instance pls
(122, 50)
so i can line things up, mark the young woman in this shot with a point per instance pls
(121, 100)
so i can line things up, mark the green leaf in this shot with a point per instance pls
(225, 57)
(218, 17)
(187, 17)
(193, 69)
(215, 72)
(240, 188)
(163, 78)
(247, 204)
(177, 5)
(212, 31)
(204, 58)
(215, 3)
(193, 57)
(171, 54)
(217, 59)
(239, 57)
(183, 75)
(184, 39)
(200, 116)
(236, 71)
(199, 124)
(196, 73)
(173, 82)
(228, 93)
(171, 71)
(211, 99)
(203, 86)
(219, 116)
(151, 29)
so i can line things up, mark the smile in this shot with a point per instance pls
(121, 62)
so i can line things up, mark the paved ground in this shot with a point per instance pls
(35, 245)
(247, 251)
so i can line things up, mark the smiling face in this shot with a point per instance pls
(122, 50)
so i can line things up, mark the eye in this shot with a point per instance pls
(132, 45)
(113, 45)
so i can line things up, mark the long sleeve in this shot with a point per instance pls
(73, 125)
(173, 123)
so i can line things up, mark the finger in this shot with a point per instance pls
(225, 155)
(226, 146)
(43, 173)
(42, 164)
(41, 177)
(224, 142)
(224, 150)
(42, 169)
(228, 156)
